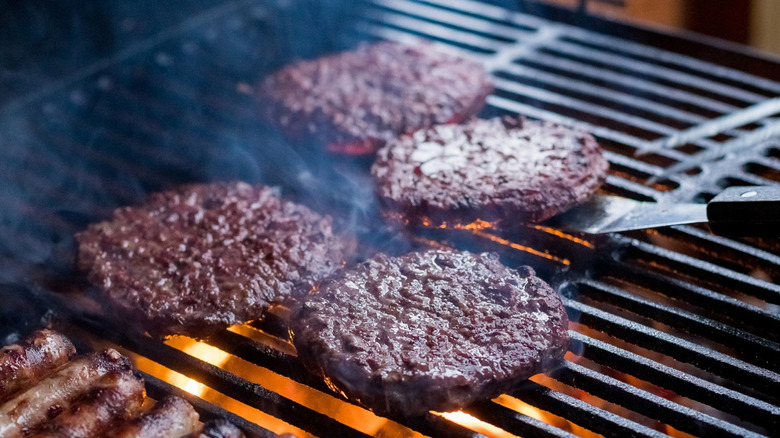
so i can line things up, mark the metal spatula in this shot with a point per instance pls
(736, 211)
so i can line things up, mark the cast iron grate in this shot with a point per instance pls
(676, 328)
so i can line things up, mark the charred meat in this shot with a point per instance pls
(502, 170)
(94, 395)
(170, 417)
(56, 392)
(115, 397)
(435, 330)
(353, 102)
(200, 258)
(23, 365)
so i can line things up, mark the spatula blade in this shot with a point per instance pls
(610, 214)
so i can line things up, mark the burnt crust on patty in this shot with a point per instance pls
(202, 257)
(434, 330)
(504, 170)
(353, 102)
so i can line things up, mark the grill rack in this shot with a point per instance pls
(669, 291)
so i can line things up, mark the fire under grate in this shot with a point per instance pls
(675, 329)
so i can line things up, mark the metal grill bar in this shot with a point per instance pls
(680, 417)
(441, 33)
(727, 400)
(516, 107)
(755, 349)
(583, 107)
(583, 36)
(546, 70)
(596, 91)
(705, 270)
(726, 248)
(757, 378)
(658, 90)
(514, 422)
(606, 59)
(290, 367)
(496, 30)
(229, 384)
(565, 47)
(584, 414)
(158, 389)
(717, 306)
(139, 48)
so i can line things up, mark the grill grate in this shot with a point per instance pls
(676, 328)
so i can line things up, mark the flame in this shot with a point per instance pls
(562, 235)
(517, 246)
(524, 408)
(243, 410)
(472, 423)
(358, 418)
(361, 419)
(479, 226)
(202, 351)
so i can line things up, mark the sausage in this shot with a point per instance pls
(23, 365)
(170, 417)
(116, 396)
(56, 392)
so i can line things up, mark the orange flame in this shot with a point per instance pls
(472, 423)
(202, 351)
(479, 226)
(523, 248)
(562, 235)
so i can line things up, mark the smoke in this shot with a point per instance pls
(105, 102)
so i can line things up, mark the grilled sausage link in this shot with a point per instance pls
(116, 396)
(56, 392)
(23, 365)
(170, 417)
(218, 429)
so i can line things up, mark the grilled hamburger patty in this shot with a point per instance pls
(503, 170)
(435, 330)
(355, 101)
(203, 257)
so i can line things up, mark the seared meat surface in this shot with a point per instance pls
(353, 102)
(504, 170)
(56, 392)
(24, 364)
(434, 330)
(170, 417)
(93, 395)
(202, 257)
(115, 397)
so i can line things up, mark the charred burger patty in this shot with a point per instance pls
(435, 330)
(354, 101)
(203, 257)
(504, 170)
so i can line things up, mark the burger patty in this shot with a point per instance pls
(353, 102)
(203, 257)
(503, 170)
(434, 330)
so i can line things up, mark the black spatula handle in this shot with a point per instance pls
(747, 211)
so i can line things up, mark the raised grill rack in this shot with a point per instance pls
(674, 327)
